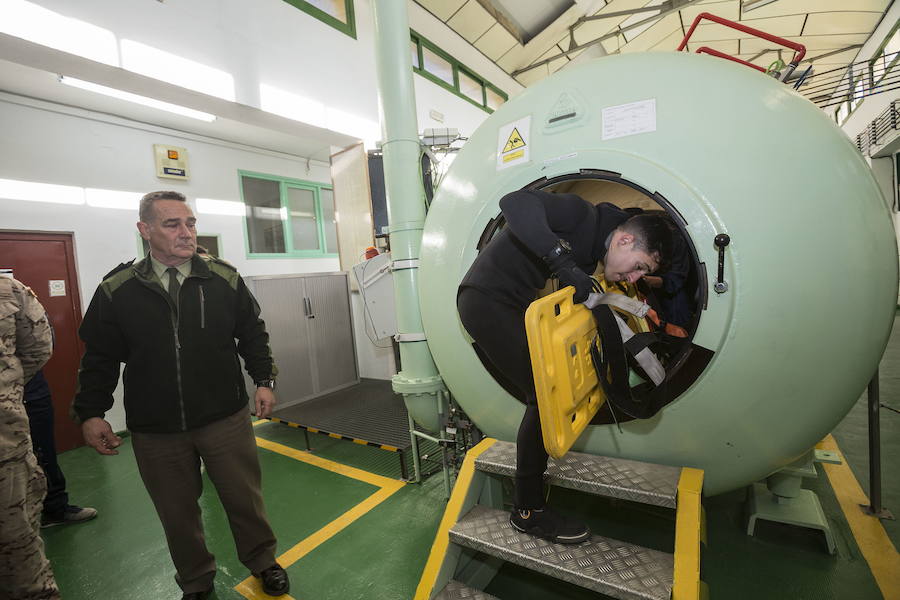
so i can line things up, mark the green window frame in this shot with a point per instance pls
(348, 28)
(284, 184)
(419, 44)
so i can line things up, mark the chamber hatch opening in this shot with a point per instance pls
(684, 361)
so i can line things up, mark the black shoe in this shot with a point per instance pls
(550, 525)
(197, 595)
(70, 514)
(274, 580)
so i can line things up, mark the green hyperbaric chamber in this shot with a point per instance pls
(810, 270)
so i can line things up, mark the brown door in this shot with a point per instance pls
(45, 261)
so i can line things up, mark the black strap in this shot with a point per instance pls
(611, 364)
(639, 341)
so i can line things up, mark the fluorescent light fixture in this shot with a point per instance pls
(36, 24)
(31, 191)
(158, 104)
(209, 206)
(112, 199)
(177, 70)
(291, 106)
(299, 108)
(748, 5)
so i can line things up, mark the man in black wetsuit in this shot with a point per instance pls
(547, 235)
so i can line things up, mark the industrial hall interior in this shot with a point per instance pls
(449, 299)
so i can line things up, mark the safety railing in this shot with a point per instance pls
(879, 130)
(799, 49)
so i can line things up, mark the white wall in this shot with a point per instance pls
(49, 147)
(258, 42)
(271, 42)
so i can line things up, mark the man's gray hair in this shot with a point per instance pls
(146, 209)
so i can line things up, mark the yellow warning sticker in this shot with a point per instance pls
(515, 141)
(512, 143)
(513, 156)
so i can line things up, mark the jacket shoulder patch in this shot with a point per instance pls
(224, 270)
(116, 278)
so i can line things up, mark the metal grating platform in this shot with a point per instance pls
(599, 475)
(368, 412)
(457, 591)
(604, 565)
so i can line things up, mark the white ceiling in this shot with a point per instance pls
(831, 30)
(30, 71)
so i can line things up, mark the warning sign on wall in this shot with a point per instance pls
(512, 143)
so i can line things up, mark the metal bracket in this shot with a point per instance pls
(410, 337)
(827, 456)
(721, 241)
(410, 263)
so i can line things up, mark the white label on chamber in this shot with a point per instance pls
(512, 143)
(629, 119)
(57, 287)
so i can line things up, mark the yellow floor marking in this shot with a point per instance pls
(250, 588)
(873, 541)
(451, 516)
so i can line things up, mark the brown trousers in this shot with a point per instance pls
(169, 464)
(25, 573)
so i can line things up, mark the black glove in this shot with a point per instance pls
(572, 275)
(562, 265)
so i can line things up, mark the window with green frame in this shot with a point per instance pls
(337, 13)
(434, 64)
(287, 218)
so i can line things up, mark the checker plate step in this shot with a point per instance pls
(604, 565)
(457, 591)
(599, 475)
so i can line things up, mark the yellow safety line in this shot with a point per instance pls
(451, 516)
(689, 532)
(324, 463)
(250, 587)
(873, 541)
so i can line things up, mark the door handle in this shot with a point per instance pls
(307, 306)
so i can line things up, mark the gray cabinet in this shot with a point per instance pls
(310, 331)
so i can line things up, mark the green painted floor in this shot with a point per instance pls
(122, 554)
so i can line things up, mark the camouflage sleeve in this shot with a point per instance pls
(34, 342)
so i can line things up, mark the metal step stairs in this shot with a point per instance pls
(475, 536)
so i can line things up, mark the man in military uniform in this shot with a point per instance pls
(179, 322)
(25, 345)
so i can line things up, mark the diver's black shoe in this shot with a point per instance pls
(550, 525)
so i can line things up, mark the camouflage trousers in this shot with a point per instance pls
(25, 572)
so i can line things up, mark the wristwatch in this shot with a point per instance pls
(561, 247)
(269, 383)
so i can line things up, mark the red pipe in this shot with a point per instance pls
(799, 49)
(714, 52)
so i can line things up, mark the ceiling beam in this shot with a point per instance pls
(672, 7)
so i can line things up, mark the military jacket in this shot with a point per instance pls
(25, 345)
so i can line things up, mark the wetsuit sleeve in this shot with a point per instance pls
(537, 218)
(104, 349)
(675, 277)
